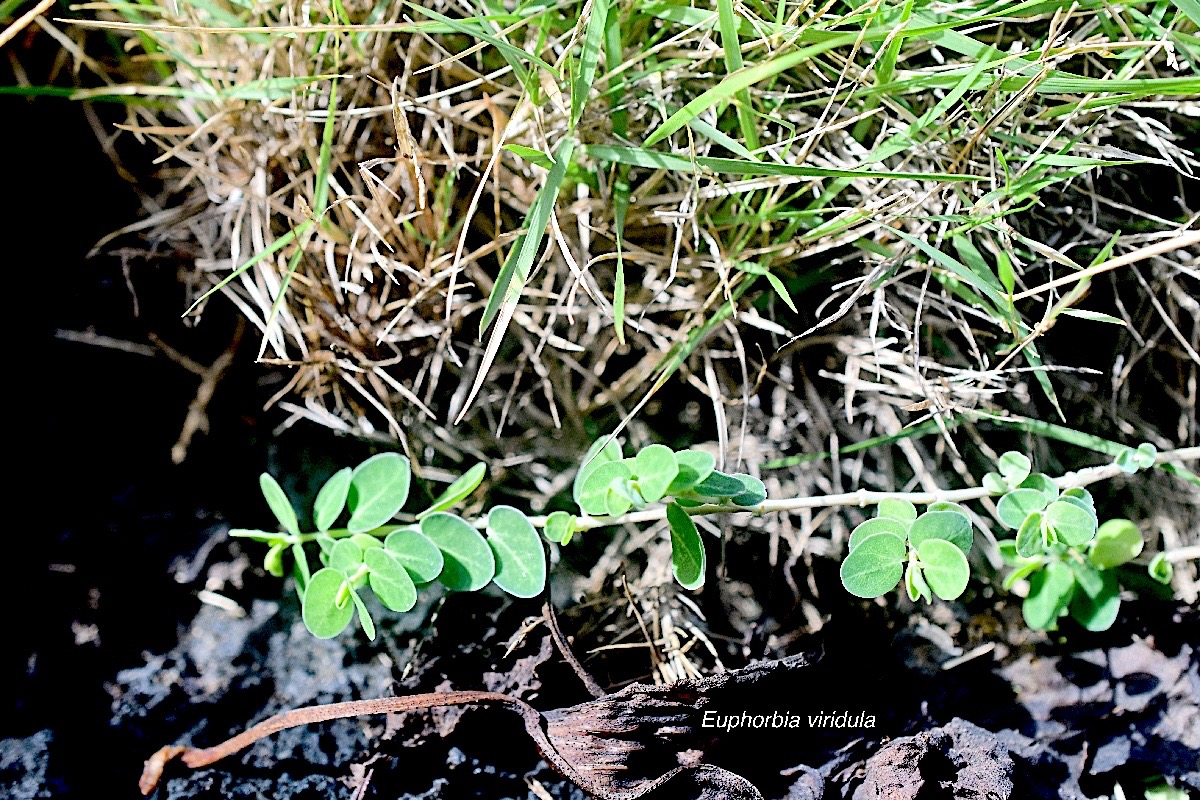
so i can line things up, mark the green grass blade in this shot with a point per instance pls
(515, 54)
(274, 247)
(515, 272)
(589, 59)
(733, 62)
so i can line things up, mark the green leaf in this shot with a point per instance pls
(1014, 467)
(1030, 541)
(754, 491)
(1071, 524)
(520, 560)
(687, 549)
(390, 580)
(331, 499)
(656, 468)
(994, 483)
(458, 491)
(893, 508)
(945, 567)
(378, 489)
(1018, 504)
(1082, 495)
(719, 484)
(365, 541)
(589, 58)
(1050, 591)
(281, 507)
(694, 467)
(915, 583)
(1096, 605)
(1042, 483)
(946, 505)
(560, 527)
(300, 567)
(598, 455)
(594, 493)
(1022, 571)
(364, 616)
(876, 525)
(345, 557)
(416, 552)
(532, 155)
(1117, 542)
(950, 526)
(1161, 569)
(469, 564)
(273, 560)
(1163, 790)
(875, 566)
(323, 617)
(510, 281)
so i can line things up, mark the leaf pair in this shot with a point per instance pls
(1043, 518)
(934, 545)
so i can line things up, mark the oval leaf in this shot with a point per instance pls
(281, 507)
(1018, 504)
(949, 526)
(323, 617)
(520, 560)
(1042, 483)
(687, 549)
(945, 567)
(1118, 541)
(469, 563)
(1095, 606)
(656, 468)
(560, 527)
(1070, 523)
(378, 489)
(458, 491)
(1014, 467)
(754, 491)
(593, 494)
(878, 525)
(875, 566)
(916, 585)
(894, 508)
(1050, 591)
(346, 556)
(1030, 541)
(694, 466)
(597, 455)
(331, 499)
(416, 552)
(390, 580)
(718, 484)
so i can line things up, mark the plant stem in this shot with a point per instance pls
(861, 498)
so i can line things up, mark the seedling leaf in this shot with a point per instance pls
(597, 455)
(378, 489)
(894, 508)
(687, 549)
(1161, 569)
(1014, 467)
(875, 566)
(877, 525)
(345, 556)
(520, 560)
(1029, 537)
(593, 494)
(945, 567)
(656, 468)
(1117, 542)
(950, 526)
(323, 617)
(560, 527)
(390, 580)
(916, 584)
(1018, 504)
(458, 491)
(1071, 524)
(1096, 605)
(331, 499)
(1050, 591)
(281, 507)
(420, 556)
(754, 491)
(694, 467)
(469, 564)
(1041, 483)
(719, 484)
